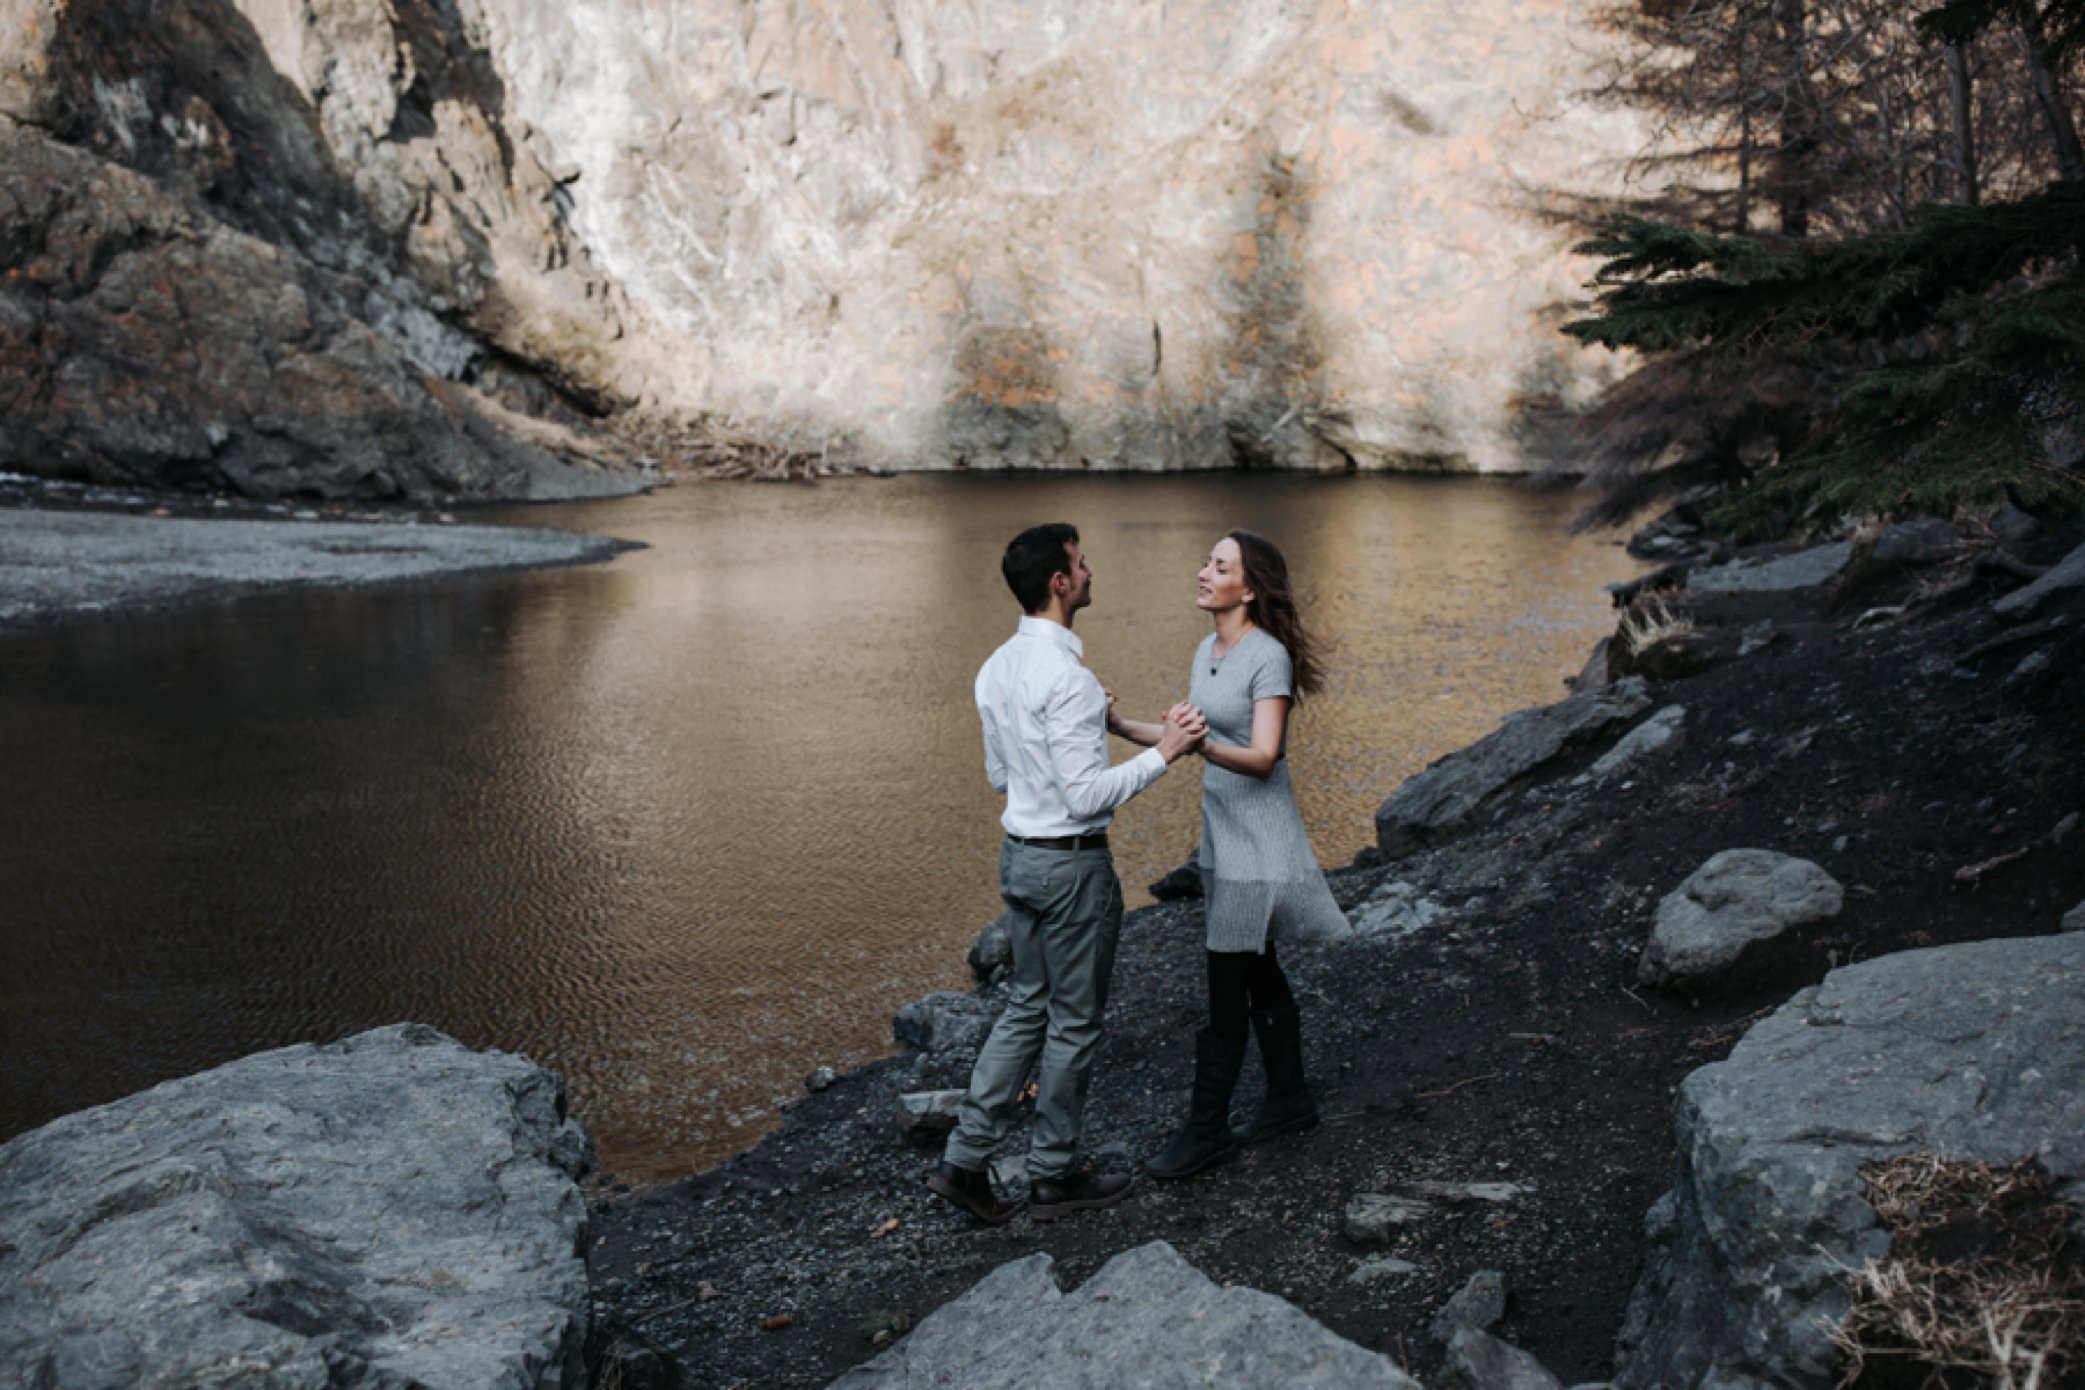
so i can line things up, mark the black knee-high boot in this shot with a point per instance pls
(1288, 1104)
(1206, 1137)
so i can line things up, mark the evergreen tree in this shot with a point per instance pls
(1953, 345)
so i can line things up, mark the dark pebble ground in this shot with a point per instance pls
(1507, 1041)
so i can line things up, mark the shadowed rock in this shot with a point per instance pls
(1183, 881)
(1921, 541)
(1479, 1361)
(1739, 900)
(393, 1209)
(291, 250)
(1478, 1304)
(926, 1116)
(992, 951)
(1661, 731)
(146, 343)
(2068, 575)
(1802, 570)
(947, 1021)
(1436, 799)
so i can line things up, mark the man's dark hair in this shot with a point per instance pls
(1032, 557)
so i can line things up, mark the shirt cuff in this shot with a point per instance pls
(1154, 764)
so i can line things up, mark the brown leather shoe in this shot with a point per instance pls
(971, 1190)
(1050, 1198)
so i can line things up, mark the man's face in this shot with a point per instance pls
(1080, 592)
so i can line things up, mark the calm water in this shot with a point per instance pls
(688, 825)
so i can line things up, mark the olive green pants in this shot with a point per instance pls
(1064, 911)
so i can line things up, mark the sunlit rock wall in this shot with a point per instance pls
(1113, 234)
(1034, 233)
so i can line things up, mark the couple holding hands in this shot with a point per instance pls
(1046, 721)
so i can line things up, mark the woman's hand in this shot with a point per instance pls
(1190, 721)
(1181, 732)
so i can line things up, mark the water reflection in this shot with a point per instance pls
(688, 825)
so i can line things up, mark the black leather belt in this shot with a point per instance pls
(1099, 841)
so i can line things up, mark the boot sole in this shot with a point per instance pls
(954, 1195)
(1174, 1174)
(1050, 1211)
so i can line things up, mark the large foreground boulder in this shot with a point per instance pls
(1432, 801)
(1974, 1052)
(1148, 1318)
(389, 1210)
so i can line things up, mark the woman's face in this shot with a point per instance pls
(1220, 586)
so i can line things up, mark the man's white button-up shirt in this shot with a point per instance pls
(1046, 736)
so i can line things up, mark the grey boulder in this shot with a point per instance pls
(1394, 911)
(1802, 570)
(1182, 881)
(993, 950)
(1921, 541)
(1661, 731)
(1479, 1304)
(947, 1021)
(1975, 1051)
(2074, 920)
(928, 1115)
(390, 1210)
(2067, 576)
(1479, 1361)
(1729, 906)
(1147, 1318)
(1432, 801)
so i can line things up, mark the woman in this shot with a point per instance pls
(1259, 877)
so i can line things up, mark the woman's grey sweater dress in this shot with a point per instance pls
(1259, 877)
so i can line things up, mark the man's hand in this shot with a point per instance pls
(1183, 731)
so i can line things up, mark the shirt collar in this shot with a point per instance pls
(1053, 632)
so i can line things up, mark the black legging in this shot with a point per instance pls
(1242, 983)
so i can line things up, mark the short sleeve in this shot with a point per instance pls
(1272, 676)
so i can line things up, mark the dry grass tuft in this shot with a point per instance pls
(1984, 1284)
(1652, 620)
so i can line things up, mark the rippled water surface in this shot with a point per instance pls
(690, 824)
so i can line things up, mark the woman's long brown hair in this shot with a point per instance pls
(1273, 607)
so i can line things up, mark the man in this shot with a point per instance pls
(1045, 721)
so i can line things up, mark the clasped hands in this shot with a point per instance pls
(1180, 730)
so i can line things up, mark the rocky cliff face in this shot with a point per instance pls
(1040, 233)
(287, 249)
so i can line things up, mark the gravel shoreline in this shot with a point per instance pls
(64, 564)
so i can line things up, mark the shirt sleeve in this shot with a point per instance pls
(1075, 723)
(995, 754)
(1273, 678)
